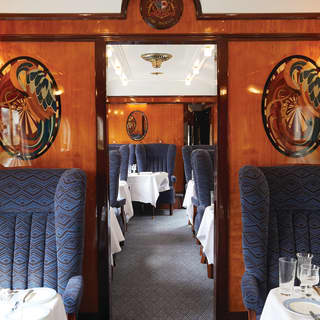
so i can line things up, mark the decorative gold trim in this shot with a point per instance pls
(156, 58)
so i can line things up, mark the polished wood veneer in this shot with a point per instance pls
(134, 24)
(248, 142)
(255, 46)
(74, 146)
(165, 125)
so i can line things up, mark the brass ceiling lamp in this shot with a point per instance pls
(156, 58)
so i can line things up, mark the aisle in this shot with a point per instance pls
(158, 275)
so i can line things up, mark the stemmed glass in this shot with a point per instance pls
(309, 276)
(303, 258)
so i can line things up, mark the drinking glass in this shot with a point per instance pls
(303, 258)
(309, 276)
(287, 272)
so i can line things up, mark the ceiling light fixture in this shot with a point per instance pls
(156, 58)
(188, 80)
(109, 51)
(207, 51)
(124, 79)
(156, 73)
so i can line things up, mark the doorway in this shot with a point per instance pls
(120, 92)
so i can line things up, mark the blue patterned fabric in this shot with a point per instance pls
(42, 229)
(202, 167)
(124, 152)
(280, 217)
(114, 174)
(132, 154)
(132, 151)
(186, 155)
(156, 157)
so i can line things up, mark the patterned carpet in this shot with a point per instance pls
(158, 275)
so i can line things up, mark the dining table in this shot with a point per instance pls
(146, 186)
(116, 234)
(293, 307)
(206, 233)
(124, 193)
(31, 304)
(187, 201)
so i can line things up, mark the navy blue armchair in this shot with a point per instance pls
(280, 217)
(202, 166)
(42, 231)
(186, 155)
(130, 158)
(157, 157)
(114, 175)
(124, 152)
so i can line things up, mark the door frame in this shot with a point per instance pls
(220, 281)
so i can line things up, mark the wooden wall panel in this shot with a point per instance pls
(165, 125)
(75, 144)
(250, 64)
(134, 24)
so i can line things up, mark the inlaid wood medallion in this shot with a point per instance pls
(291, 106)
(30, 108)
(161, 14)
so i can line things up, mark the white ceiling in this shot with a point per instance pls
(60, 6)
(175, 71)
(254, 6)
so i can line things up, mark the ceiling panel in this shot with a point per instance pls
(254, 6)
(60, 6)
(139, 78)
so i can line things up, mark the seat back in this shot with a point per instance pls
(132, 154)
(114, 174)
(42, 227)
(124, 152)
(202, 167)
(186, 155)
(156, 157)
(280, 217)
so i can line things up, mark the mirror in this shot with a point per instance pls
(137, 125)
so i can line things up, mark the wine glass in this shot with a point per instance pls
(303, 258)
(309, 276)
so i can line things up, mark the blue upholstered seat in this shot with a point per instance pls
(280, 217)
(124, 152)
(202, 166)
(42, 231)
(157, 157)
(186, 155)
(128, 157)
(114, 175)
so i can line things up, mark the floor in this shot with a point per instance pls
(158, 274)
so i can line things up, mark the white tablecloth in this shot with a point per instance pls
(50, 310)
(187, 203)
(274, 309)
(146, 186)
(124, 193)
(206, 233)
(116, 234)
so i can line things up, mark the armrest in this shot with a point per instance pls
(251, 293)
(72, 294)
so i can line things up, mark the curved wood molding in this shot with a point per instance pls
(252, 16)
(68, 16)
